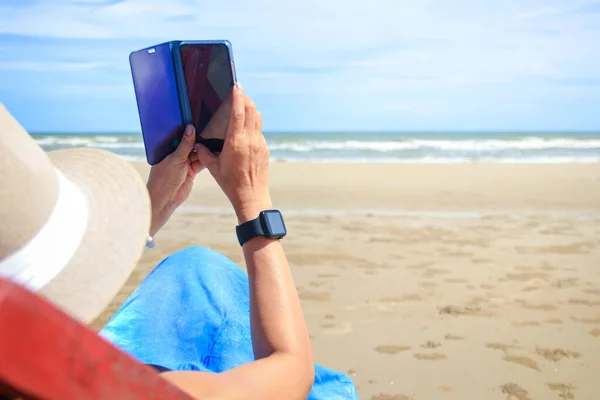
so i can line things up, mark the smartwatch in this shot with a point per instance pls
(268, 224)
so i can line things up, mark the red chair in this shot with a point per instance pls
(47, 355)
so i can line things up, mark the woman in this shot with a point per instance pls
(197, 318)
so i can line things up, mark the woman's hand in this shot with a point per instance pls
(170, 181)
(242, 168)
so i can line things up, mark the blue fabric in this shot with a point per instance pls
(192, 312)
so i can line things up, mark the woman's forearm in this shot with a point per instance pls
(276, 316)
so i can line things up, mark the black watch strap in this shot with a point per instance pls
(249, 230)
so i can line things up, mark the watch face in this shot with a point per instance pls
(274, 225)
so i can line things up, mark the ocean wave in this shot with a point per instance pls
(384, 146)
(108, 142)
(444, 160)
(386, 149)
(130, 145)
(134, 158)
(480, 145)
(423, 160)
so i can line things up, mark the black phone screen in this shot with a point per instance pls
(209, 80)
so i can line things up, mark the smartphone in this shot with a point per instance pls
(206, 79)
(158, 100)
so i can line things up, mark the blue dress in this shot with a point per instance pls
(192, 313)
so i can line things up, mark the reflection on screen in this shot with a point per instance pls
(208, 78)
(275, 223)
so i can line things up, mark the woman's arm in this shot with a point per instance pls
(284, 366)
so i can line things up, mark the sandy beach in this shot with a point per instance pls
(458, 281)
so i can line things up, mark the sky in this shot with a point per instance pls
(317, 65)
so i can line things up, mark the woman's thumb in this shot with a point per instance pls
(187, 142)
(206, 157)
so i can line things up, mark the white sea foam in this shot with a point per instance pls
(109, 142)
(532, 149)
(444, 160)
(529, 143)
(122, 145)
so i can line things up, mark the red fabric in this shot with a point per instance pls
(46, 354)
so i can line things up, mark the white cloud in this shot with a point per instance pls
(357, 48)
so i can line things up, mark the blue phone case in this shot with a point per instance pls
(161, 95)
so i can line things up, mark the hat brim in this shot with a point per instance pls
(117, 228)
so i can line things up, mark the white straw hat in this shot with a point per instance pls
(73, 223)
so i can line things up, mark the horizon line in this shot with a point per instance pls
(452, 131)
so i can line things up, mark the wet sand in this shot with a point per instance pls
(462, 281)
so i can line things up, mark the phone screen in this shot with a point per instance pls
(208, 75)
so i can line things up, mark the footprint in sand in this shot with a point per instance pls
(430, 345)
(526, 276)
(432, 272)
(556, 354)
(514, 391)
(478, 300)
(565, 390)
(524, 268)
(329, 316)
(574, 248)
(524, 361)
(460, 310)
(314, 296)
(538, 307)
(500, 346)
(565, 283)
(591, 321)
(450, 336)
(456, 280)
(430, 357)
(584, 302)
(525, 323)
(408, 297)
(553, 321)
(324, 276)
(420, 265)
(336, 329)
(457, 254)
(391, 349)
(385, 396)
(595, 332)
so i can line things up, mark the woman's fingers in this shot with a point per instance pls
(238, 114)
(197, 166)
(258, 123)
(187, 143)
(250, 115)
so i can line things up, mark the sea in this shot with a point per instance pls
(387, 147)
